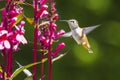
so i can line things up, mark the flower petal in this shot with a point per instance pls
(15, 47)
(21, 39)
(1, 47)
(7, 44)
(60, 46)
(2, 32)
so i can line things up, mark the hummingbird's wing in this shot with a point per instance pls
(89, 29)
(68, 34)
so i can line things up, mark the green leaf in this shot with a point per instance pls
(19, 18)
(30, 20)
(23, 3)
(29, 78)
(19, 70)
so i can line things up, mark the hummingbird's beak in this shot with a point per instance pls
(64, 20)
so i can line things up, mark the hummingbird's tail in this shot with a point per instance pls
(86, 44)
(90, 50)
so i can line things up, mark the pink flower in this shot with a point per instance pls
(43, 11)
(21, 39)
(59, 33)
(56, 16)
(59, 47)
(4, 43)
(44, 14)
(42, 2)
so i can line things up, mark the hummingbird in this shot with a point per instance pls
(79, 34)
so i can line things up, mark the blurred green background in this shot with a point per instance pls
(78, 64)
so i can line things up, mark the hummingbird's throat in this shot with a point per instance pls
(72, 27)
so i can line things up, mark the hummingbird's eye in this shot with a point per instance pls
(72, 21)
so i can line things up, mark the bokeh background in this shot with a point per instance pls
(78, 64)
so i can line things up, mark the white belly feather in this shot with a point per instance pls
(77, 33)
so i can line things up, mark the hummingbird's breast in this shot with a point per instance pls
(77, 34)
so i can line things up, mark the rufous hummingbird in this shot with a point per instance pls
(79, 34)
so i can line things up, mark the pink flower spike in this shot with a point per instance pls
(21, 39)
(7, 44)
(59, 47)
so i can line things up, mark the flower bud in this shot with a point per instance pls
(44, 14)
(42, 2)
(13, 14)
(59, 47)
(42, 9)
(56, 16)
(60, 33)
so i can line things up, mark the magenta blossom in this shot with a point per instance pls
(48, 28)
(9, 37)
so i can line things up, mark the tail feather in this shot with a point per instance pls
(90, 50)
(86, 44)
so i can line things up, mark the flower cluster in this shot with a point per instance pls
(11, 34)
(47, 29)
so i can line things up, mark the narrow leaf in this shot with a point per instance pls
(19, 70)
(24, 3)
(29, 78)
(26, 71)
(19, 18)
(29, 20)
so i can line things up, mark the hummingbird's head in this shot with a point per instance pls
(73, 24)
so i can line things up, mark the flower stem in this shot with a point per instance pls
(42, 66)
(50, 54)
(49, 65)
(9, 62)
(35, 4)
(4, 64)
(35, 52)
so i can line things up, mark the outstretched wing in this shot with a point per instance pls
(68, 34)
(89, 29)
